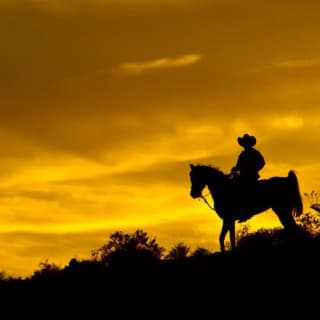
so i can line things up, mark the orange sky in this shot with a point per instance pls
(104, 103)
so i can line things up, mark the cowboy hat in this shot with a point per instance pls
(247, 141)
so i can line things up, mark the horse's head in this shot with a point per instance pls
(198, 183)
(202, 176)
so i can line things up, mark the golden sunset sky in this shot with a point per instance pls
(104, 103)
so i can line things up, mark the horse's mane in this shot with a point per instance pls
(214, 169)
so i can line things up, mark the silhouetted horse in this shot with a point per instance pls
(233, 201)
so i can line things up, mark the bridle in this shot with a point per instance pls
(203, 197)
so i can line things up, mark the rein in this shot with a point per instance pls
(203, 197)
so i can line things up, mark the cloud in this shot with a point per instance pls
(295, 63)
(287, 65)
(27, 249)
(286, 122)
(32, 194)
(67, 4)
(162, 63)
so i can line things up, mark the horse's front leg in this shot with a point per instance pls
(225, 228)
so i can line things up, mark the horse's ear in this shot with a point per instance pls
(191, 166)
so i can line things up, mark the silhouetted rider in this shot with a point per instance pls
(250, 160)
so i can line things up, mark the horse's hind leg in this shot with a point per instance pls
(286, 218)
(232, 234)
(292, 234)
(224, 230)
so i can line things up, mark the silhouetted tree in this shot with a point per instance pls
(3, 276)
(123, 246)
(179, 251)
(46, 269)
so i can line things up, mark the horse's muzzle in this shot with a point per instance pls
(194, 194)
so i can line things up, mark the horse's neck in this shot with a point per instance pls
(216, 186)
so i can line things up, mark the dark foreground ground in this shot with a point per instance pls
(256, 281)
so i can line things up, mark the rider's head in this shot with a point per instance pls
(247, 141)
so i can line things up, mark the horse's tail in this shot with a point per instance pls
(296, 196)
